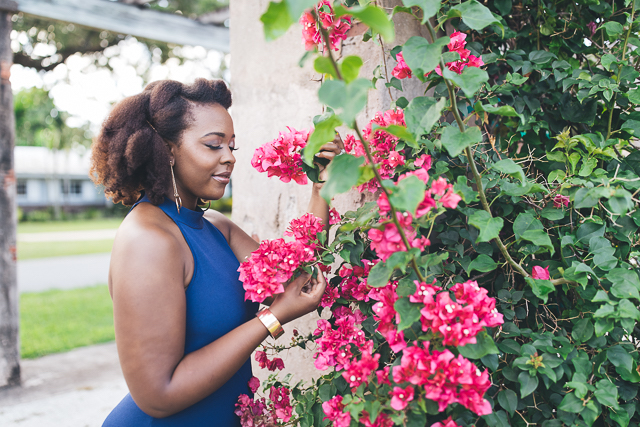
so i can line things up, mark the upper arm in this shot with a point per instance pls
(240, 242)
(147, 280)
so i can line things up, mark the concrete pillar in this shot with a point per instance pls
(270, 92)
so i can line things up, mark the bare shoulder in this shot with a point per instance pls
(147, 240)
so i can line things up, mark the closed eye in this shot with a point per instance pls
(218, 147)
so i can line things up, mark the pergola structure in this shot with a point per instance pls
(97, 14)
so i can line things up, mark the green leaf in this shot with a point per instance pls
(503, 110)
(324, 132)
(620, 358)
(552, 214)
(344, 172)
(571, 403)
(612, 28)
(628, 310)
(350, 67)
(470, 81)
(541, 288)
(373, 17)
(296, 7)
(422, 113)
(539, 238)
(582, 330)
(508, 399)
(525, 221)
(632, 126)
(421, 56)
(623, 280)
(588, 166)
(455, 141)
(541, 57)
(624, 290)
(399, 131)
(497, 419)
(409, 312)
(346, 99)
(488, 227)
(407, 194)
(482, 263)
(323, 65)
(381, 272)
(484, 345)
(528, 384)
(510, 167)
(607, 393)
(276, 20)
(429, 7)
(475, 15)
(509, 347)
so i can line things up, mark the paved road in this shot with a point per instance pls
(74, 389)
(68, 236)
(68, 272)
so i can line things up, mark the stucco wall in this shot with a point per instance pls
(271, 92)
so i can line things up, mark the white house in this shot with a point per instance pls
(48, 178)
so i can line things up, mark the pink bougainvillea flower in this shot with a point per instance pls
(445, 423)
(424, 162)
(538, 272)
(264, 362)
(457, 44)
(282, 156)
(334, 346)
(305, 229)
(592, 26)
(401, 70)
(333, 409)
(401, 397)
(254, 384)
(358, 372)
(281, 403)
(353, 146)
(336, 27)
(559, 201)
(382, 420)
(450, 200)
(254, 412)
(334, 217)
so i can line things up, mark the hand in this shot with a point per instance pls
(329, 151)
(301, 296)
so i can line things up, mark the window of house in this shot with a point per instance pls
(22, 188)
(71, 187)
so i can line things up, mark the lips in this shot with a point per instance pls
(223, 178)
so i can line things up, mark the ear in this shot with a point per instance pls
(172, 158)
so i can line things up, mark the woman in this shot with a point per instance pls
(184, 332)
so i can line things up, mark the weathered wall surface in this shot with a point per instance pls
(271, 92)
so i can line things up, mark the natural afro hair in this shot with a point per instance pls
(130, 155)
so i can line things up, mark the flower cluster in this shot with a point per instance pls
(336, 27)
(305, 229)
(269, 267)
(456, 44)
(282, 156)
(540, 273)
(335, 345)
(456, 322)
(382, 145)
(446, 423)
(262, 412)
(559, 201)
(333, 409)
(388, 240)
(264, 362)
(446, 379)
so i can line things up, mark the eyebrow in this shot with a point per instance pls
(220, 134)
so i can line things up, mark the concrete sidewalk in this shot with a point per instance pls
(67, 272)
(74, 389)
(69, 236)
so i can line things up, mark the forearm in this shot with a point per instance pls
(203, 371)
(318, 206)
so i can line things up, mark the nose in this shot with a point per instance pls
(227, 156)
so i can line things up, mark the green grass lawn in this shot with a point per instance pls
(31, 250)
(55, 321)
(84, 224)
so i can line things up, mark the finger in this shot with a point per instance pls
(302, 280)
(327, 155)
(338, 141)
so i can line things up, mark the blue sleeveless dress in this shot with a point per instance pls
(215, 306)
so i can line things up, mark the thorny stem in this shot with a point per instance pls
(354, 125)
(472, 164)
(624, 53)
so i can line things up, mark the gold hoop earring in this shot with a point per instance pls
(208, 206)
(175, 189)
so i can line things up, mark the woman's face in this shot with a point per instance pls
(204, 160)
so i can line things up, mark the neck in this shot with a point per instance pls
(188, 201)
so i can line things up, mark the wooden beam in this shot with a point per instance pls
(126, 19)
(9, 321)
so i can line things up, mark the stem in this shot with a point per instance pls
(474, 169)
(354, 125)
(624, 53)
